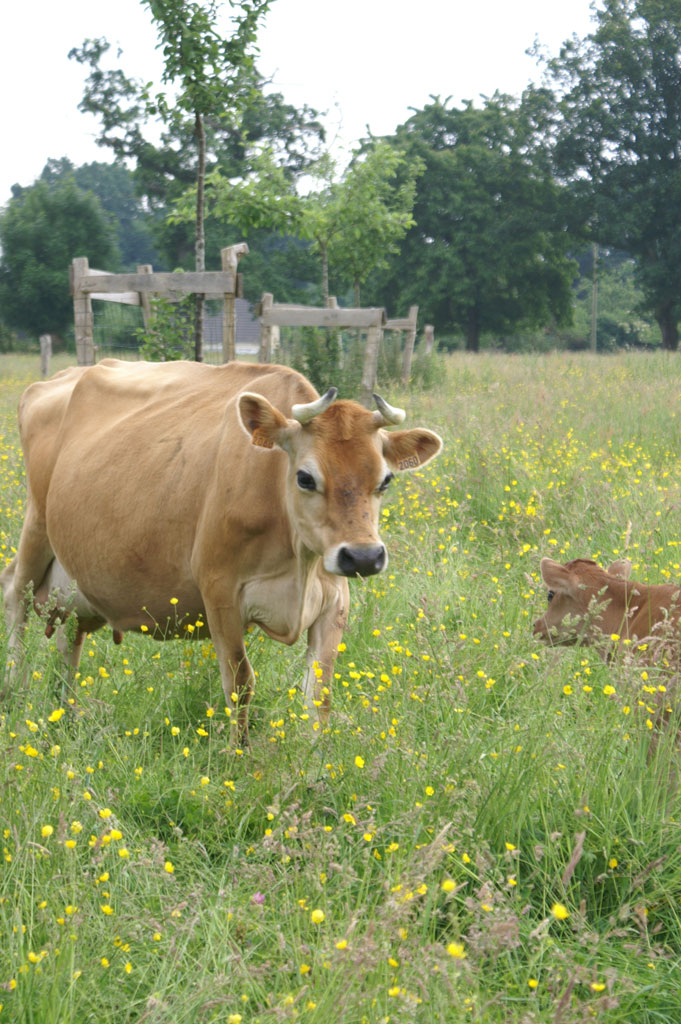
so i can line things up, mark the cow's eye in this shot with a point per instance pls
(385, 482)
(305, 481)
(550, 595)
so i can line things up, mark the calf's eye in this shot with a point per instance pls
(550, 595)
(305, 481)
(385, 482)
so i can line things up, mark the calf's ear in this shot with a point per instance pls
(409, 449)
(267, 427)
(621, 568)
(555, 576)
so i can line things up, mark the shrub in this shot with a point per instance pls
(168, 333)
(337, 358)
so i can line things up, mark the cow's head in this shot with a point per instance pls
(341, 462)
(583, 600)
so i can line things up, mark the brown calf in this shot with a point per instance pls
(587, 602)
(590, 605)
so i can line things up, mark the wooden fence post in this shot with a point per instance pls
(145, 297)
(45, 354)
(409, 340)
(82, 313)
(230, 260)
(265, 353)
(374, 336)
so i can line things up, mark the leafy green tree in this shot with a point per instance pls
(354, 222)
(488, 250)
(114, 186)
(252, 121)
(268, 197)
(262, 203)
(166, 335)
(201, 73)
(617, 136)
(373, 211)
(206, 65)
(42, 229)
(320, 214)
(264, 197)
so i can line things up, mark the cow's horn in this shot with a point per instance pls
(304, 413)
(387, 413)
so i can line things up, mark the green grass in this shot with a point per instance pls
(148, 873)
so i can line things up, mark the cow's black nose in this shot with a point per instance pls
(363, 560)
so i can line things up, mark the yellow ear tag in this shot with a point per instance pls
(261, 439)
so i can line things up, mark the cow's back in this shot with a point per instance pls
(113, 391)
(126, 405)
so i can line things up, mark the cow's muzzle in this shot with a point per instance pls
(360, 559)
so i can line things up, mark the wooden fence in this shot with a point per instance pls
(137, 289)
(370, 319)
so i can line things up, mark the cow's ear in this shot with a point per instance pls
(268, 428)
(409, 449)
(621, 568)
(555, 576)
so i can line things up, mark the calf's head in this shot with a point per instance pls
(584, 601)
(341, 462)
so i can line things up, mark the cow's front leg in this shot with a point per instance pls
(236, 673)
(323, 638)
(24, 572)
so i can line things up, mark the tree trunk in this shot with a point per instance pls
(473, 330)
(356, 286)
(200, 244)
(594, 297)
(669, 327)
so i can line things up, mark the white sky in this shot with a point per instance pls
(365, 61)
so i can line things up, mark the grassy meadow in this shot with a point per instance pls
(488, 830)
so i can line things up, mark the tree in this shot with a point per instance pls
(355, 222)
(319, 214)
(619, 320)
(264, 197)
(263, 201)
(43, 228)
(283, 265)
(373, 211)
(201, 70)
(617, 136)
(488, 249)
(114, 186)
(257, 121)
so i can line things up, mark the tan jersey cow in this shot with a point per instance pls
(587, 602)
(233, 489)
